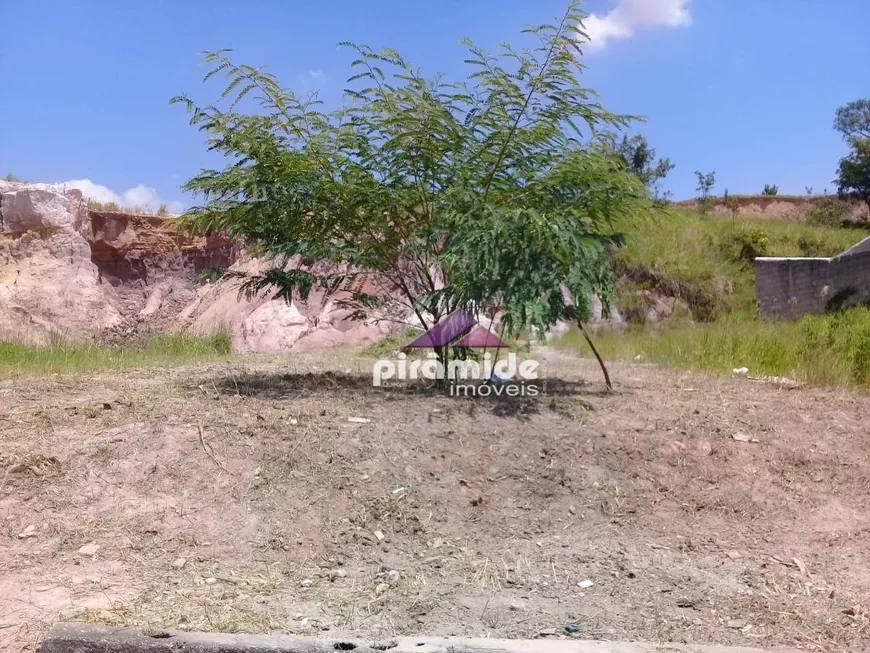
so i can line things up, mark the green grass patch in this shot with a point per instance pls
(829, 349)
(158, 351)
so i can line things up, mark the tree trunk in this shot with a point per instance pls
(597, 356)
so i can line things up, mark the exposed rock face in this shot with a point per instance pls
(38, 207)
(73, 275)
(150, 269)
(265, 325)
(48, 285)
(129, 248)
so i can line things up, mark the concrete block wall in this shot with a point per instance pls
(787, 288)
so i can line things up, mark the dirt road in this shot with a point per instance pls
(684, 508)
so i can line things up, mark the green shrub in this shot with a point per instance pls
(770, 189)
(743, 245)
(831, 213)
(813, 246)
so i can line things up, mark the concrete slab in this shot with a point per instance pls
(85, 638)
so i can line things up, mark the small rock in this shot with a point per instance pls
(30, 531)
(572, 629)
(546, 632)
(737, 623)
(358, 420)
(379, 535)
(89, 549)
(211, 580)
(572, 510)
(742, 437)
(299, 616)
(335, 574)
(258, 471)
(734, 555)
(293, 421)
(307, 583)
(179, 563)
(393, 576)
(740, 371)
(381, 588)
(585, 584)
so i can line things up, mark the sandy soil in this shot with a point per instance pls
(240, 498)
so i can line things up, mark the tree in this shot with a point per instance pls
(706, 182)
(853, 120)
(640, 159)
(854, 173)
(770, 189)
(422, 195)
(732, 204)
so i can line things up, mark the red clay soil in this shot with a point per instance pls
(123, 245)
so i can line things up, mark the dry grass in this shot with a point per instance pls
(94, 205)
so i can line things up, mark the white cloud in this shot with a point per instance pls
(631, 16)
(140, 196)
(312, 79)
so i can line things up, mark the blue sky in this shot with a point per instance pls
(747, 88)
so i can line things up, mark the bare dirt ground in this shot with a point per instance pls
(241, 498)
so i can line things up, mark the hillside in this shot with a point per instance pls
(686, 297)
(706, 261)
(777, 207)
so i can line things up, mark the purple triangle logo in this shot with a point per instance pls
(456, 325)
(446, 331)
